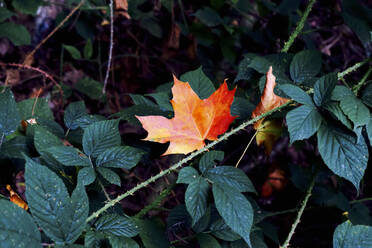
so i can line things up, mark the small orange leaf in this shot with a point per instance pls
(121, 6)
(268, 102)
(16, 199)
(194, 119)
(276, 181)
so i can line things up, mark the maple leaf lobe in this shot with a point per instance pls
(194, 119)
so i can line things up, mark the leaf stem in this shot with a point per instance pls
(246, 148)
(300, 212)
(299, 27)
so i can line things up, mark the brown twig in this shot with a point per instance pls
(29, 57)
(111, 46)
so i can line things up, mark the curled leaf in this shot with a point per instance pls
(268, 134)
(16, 199)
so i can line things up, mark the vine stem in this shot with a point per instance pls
(191, 156)
(299, 27)
(341, 75)
(299, 214)
(361, 82)
(182, 162)
(111, 5)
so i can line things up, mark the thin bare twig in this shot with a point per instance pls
(29, 57)
(111, 46)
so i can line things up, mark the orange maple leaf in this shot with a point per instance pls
(268, 102)
(194, 119)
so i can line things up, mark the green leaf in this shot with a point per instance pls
(348, 236)
(244, 71)
(335, 109)
(86, 120)
(323, 89)
(209, 17)
(357, 112)
(5, 14)
(62, 218)
(122, 242)
(140, 99)
(73, 113)
(14, 148)
(208, 160)
(359, 26)
(100, 136)
(207, 241)
(88, 49)
(9, 115)
(234, 209)
(342, 153)
(117, 225)
(230, 176)
(109, 175)
(44, 140)
(223, 231)
(199, 83)
(196, 198)
(16, 33)
(73, 51)
(29, 109)
(93, 239)
(152, 234)
(27, 7)
(129, 114)
(86, 175)
(120, 157)
(369, 131)
(303, 122)
(69, 156)
(242, 108)
(305, 65)
(18, 229)
(340, 92)
(367, 95)
(90, 87)
(187, 175)
(297, 94)
(162, 99)
(51, 126)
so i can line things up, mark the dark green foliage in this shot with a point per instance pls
(343, 154)
(62, 217)
(9, 116)
(18, 229)
(347, 235)
(100, 136)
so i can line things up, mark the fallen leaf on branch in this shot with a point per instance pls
(267, 134)
(194, 120)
